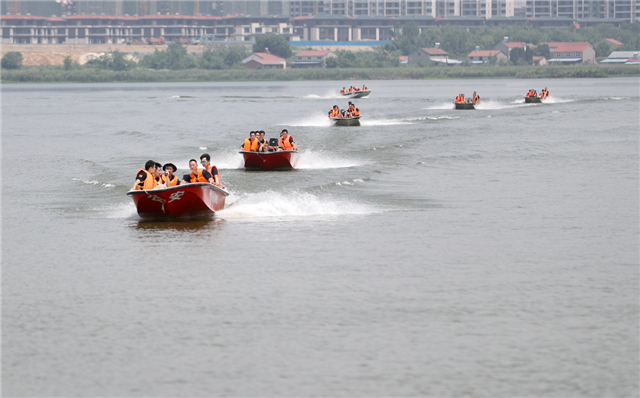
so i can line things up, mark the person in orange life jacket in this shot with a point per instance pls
(351, 89)
(544, 93)
(168, 178)
(145, 179)
(250, 144)
(364, 87)
(335, 112)
(197, 175)
(343, 91)
(158, 173)
(353, 110)
(205, 159)
(263, 145)
(286, 142)
(476, 98)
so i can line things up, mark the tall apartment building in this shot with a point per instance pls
(628, 10)
(432, 8)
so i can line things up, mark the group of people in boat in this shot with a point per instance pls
(155, 175)
(353, 89)
(350, 112)
(474, 99)
(544, 93)
(257, 143)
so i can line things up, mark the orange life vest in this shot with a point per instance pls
(148, 183)
(476, 98)
(356, 88)
(199, 177)
(250, 145)
(172, 183)
(335, 113)
(459, 99)
(211, 168)
(354, 111)
(364, 88)
(286, 144)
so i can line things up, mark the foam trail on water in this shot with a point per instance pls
(316, 120)
(295, 204)
(442, 105)
(321, 160)
(383, 122)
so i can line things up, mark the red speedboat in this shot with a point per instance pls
(270, 160)
(189, 200)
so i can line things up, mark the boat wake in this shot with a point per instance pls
(384, 122)
(316, 120)
(294, 205)
(321, 160)
(442, 105)
(94, 182)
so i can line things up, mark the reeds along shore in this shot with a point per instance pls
(56, 74)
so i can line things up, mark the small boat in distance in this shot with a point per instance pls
(277, 160)
(533, 100)
(356, 94)
(465, 105)
(346, 121)
(188, 200)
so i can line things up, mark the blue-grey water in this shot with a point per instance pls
(427, 252)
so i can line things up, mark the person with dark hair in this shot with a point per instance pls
(168, 178)
(250, 144)
(197, 175)
(146, 179)
(263, 144)
(286, 142)
(205, 159)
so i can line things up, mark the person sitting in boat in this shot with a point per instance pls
(459, 98)
(205, 159)
(250, 144)
(263, 144)
(343, 91)
(476, 98)
(335, 112)
(146, 179)
(364, 87)
(544, 93)
(350, 89)
(286, 142)
(353, 110)
(197, 175)
(168, 178)
(356, 88)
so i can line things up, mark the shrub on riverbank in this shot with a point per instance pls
(56, 74)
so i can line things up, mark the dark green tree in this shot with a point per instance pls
(12, 60)
(276, 44)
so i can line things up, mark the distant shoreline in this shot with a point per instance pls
(57, 74)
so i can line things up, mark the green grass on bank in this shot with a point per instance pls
(56, 74)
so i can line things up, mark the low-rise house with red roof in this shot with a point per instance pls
(264, 60)
(312, 58)
(571, 53)
(478, 56)
(431, 54)
(505, 46)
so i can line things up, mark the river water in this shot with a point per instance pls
(427, 252)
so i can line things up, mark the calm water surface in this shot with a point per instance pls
(427, 252)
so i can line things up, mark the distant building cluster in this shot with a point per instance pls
(626, 10)
(160, 21)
